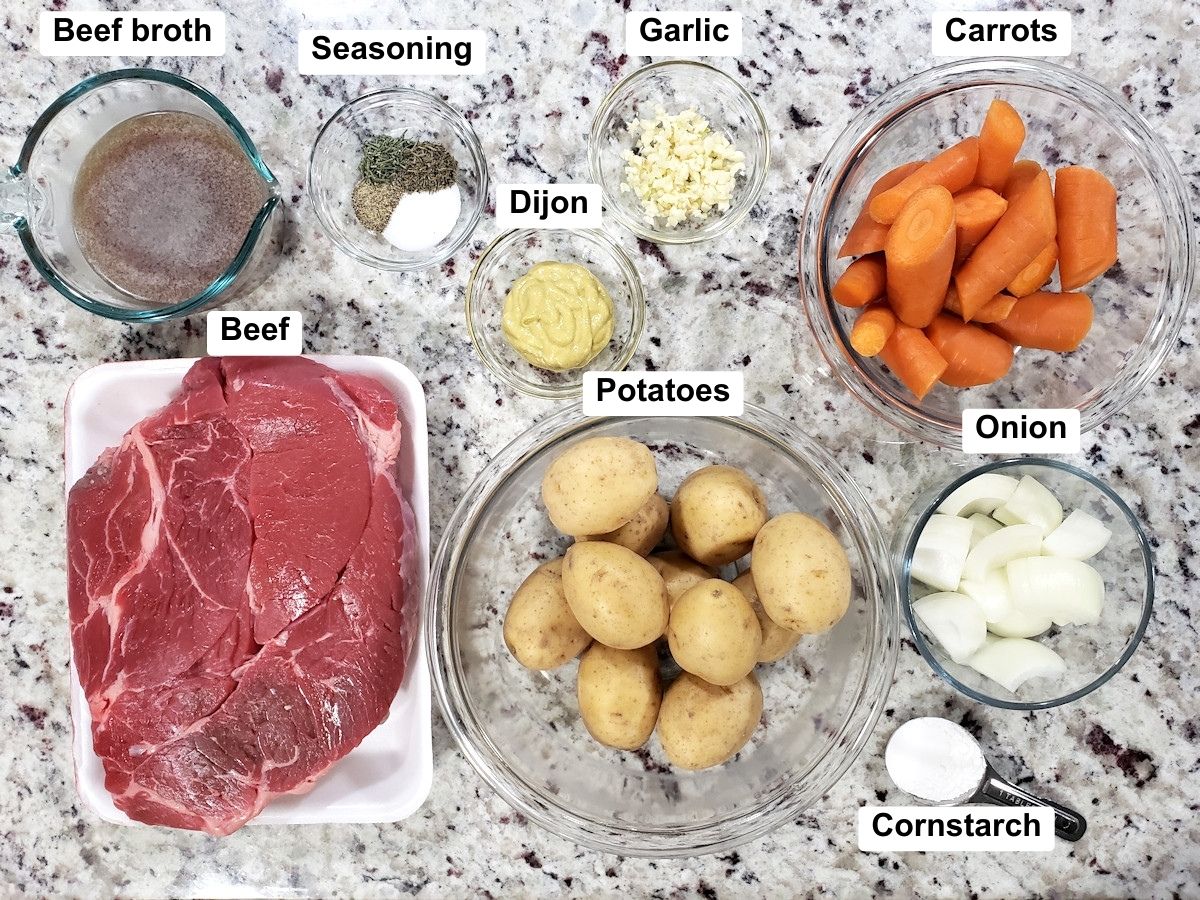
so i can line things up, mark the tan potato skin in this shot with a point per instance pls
(716, 513)
(802, 573)
(539, 628)
(618, 597)
(679, 572)
(714, 634)
(619, 695)
(598, 485)
(702, 725)
(642, 533)
(777, 641)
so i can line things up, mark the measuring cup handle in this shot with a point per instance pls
(1068, 824)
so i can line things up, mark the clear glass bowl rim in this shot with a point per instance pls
(857, 138)
(503, 243)
(478, 164)
(877, 580)
(731, 217)
(904, 579)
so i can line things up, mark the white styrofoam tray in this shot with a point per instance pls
(388, 776)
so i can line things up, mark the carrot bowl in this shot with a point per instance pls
(1139, 303)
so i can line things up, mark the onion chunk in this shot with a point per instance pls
(1013, 661)
(981, 494)
(955, 621)
(941, 552)
(995, 550)
(1032, 504)
(1070, 592)
(1080, 536)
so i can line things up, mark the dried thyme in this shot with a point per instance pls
(384, 158)
(427, 167)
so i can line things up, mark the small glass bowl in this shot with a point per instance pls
(1093, 653)
(333, 172)
(514, 253)
(1140, 303)
(677, 85)
(521, 729)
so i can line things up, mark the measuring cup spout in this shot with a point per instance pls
(16, 197)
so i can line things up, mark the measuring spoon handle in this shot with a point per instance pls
(1068, 824)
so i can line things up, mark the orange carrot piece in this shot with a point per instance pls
(920, 255)
(866, 235)
(953, 169)
(872, 329)
(1022, 173)
(1000, 139)
(976, 210)
(863, 281)
(1048, 321)
(1024, 230)
(973, 356)
(913, 359)
(1036, 274)
(995, 310)
(1086, 204)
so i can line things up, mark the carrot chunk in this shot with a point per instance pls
(995, 310)
(863, 281)
(973, 356)
(1036, 274)
(872, 329)
(920, 255)
(976, 210)
(1086, 204)
(1019, 177)
(1047, 321)
(1000, 139)
(866, 235)
(953, 169)
(1024, 230)
(913, 359)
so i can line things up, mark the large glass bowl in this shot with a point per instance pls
(1140, 303)
(1093, 653)
(521, 730)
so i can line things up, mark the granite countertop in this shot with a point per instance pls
(1126, 756)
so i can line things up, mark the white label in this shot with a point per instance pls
(95, 33)
(683, 33)
(548, 206)
(883, 829)
(663, 393)
(1014, 33)
(389, 52)
(257, 333)
(1008, 431)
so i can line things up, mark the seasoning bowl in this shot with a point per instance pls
(1140, 303)
(521, 729)
(677, 85)
(514, 253)
(1093, 653)
(333, 172)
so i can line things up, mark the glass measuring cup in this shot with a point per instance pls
(37, 192)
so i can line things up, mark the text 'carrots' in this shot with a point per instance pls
(920, 256)
(913, 359)
(973, 356)
(951, 169)
(872, 329)
(1047, 321)
(1086, 204)
(866, 235)
(863, 281)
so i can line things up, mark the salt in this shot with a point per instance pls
(423, 220)
(935, 759)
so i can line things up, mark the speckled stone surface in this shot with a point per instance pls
(1126, 756)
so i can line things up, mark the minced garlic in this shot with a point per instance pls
(680, 169)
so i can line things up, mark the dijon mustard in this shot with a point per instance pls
(558, 316)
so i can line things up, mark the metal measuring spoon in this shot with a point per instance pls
(938, 761)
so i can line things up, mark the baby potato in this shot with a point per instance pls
(713, 633)
(802, 573)
(616, 595)
(619, 695)
(598, 485)
(777, 641)
(702, 724)
(716, 513)
(539, 627)
(642, 533)
(679, 572)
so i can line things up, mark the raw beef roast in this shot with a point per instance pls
(242, 574)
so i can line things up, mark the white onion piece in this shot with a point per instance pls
(981, 494)
(1031, 503)
(981, 527)
(941, 552)
(1013, 661)
(990, 592)
(995, 550)
(1070, 592)
(955, 621)
(1019, 624)
(1080, 536)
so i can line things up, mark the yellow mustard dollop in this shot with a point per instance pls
(558, 316)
